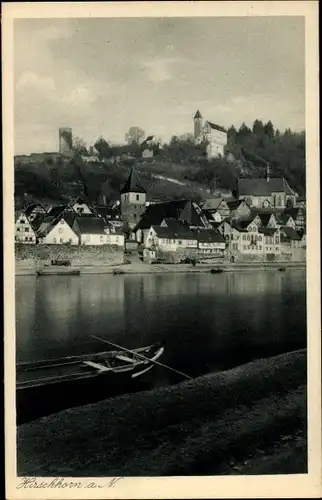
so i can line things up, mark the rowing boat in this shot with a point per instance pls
(48, 386)
(46, 373)
(49, 271)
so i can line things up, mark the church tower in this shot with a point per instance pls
(133, 199)
(198, 126)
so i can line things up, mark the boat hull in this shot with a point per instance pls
(58, 272)
(49, 394)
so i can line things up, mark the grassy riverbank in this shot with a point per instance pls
(248, 420)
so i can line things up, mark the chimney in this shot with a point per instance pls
(267, 172)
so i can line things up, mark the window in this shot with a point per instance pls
(60, 230)
(54, 240)
(179, 242)
(260, 247)
(137, 197)
(26, 229)
(101, 238)
(61, 240)
(22, 221)
(70, 240)
(277, 239)
(248, 237)
(18, 229)
(259, 238)
(244, 236)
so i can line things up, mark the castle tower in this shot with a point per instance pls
(198, 126)
(65, 141)
(133, 198)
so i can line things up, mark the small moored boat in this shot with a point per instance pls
(216, 271)
(118, 271)
(65, 271)
(282, 269)
(109, 363)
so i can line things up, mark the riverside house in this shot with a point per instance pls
(186, 211)
(167, 239)
(91, 231)
(58, 230)
(210, 243)
(24, 230)
(248, 239)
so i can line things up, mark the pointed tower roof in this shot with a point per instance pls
(133, 184)
(198, 114)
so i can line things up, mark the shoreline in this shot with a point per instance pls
(250, 419)
(144, 268)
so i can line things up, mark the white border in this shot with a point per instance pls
(295, 486)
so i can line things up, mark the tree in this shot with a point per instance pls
(79, 145)
(269, 129)
(186, 137)
(244, 132)
(134, 134)
(258, 127)
(232, 134)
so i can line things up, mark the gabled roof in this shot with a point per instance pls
(180, 234)
(268, 231)
(198, 114)
(57, 211)
(238, 226)
(209, 236)
(90, 225)
(80, 200)
(37, 221)
(216, 127)
(31, 208)
(265, 218)
(234, 204)
(133, 184)
(175, 225)
(48, 222)
(212, 203)
(243, 222)
(290, 233)
(262, 187)
(283, 217)
(108, 213)
(177, 209)
(293, 211)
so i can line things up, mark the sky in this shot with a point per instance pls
(102, 76)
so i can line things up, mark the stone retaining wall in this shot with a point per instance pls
(37, 255)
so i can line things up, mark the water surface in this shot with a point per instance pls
(208, 322)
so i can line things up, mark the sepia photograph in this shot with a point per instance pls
(160, 240)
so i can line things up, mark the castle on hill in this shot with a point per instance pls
(214, 135)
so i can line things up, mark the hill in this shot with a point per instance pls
(180, 169)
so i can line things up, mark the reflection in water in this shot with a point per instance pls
(208, 321)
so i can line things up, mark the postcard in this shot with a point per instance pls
(162, 243)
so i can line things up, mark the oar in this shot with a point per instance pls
(143, 357)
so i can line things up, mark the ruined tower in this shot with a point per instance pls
(197, 126)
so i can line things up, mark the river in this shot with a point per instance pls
(208, 322)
